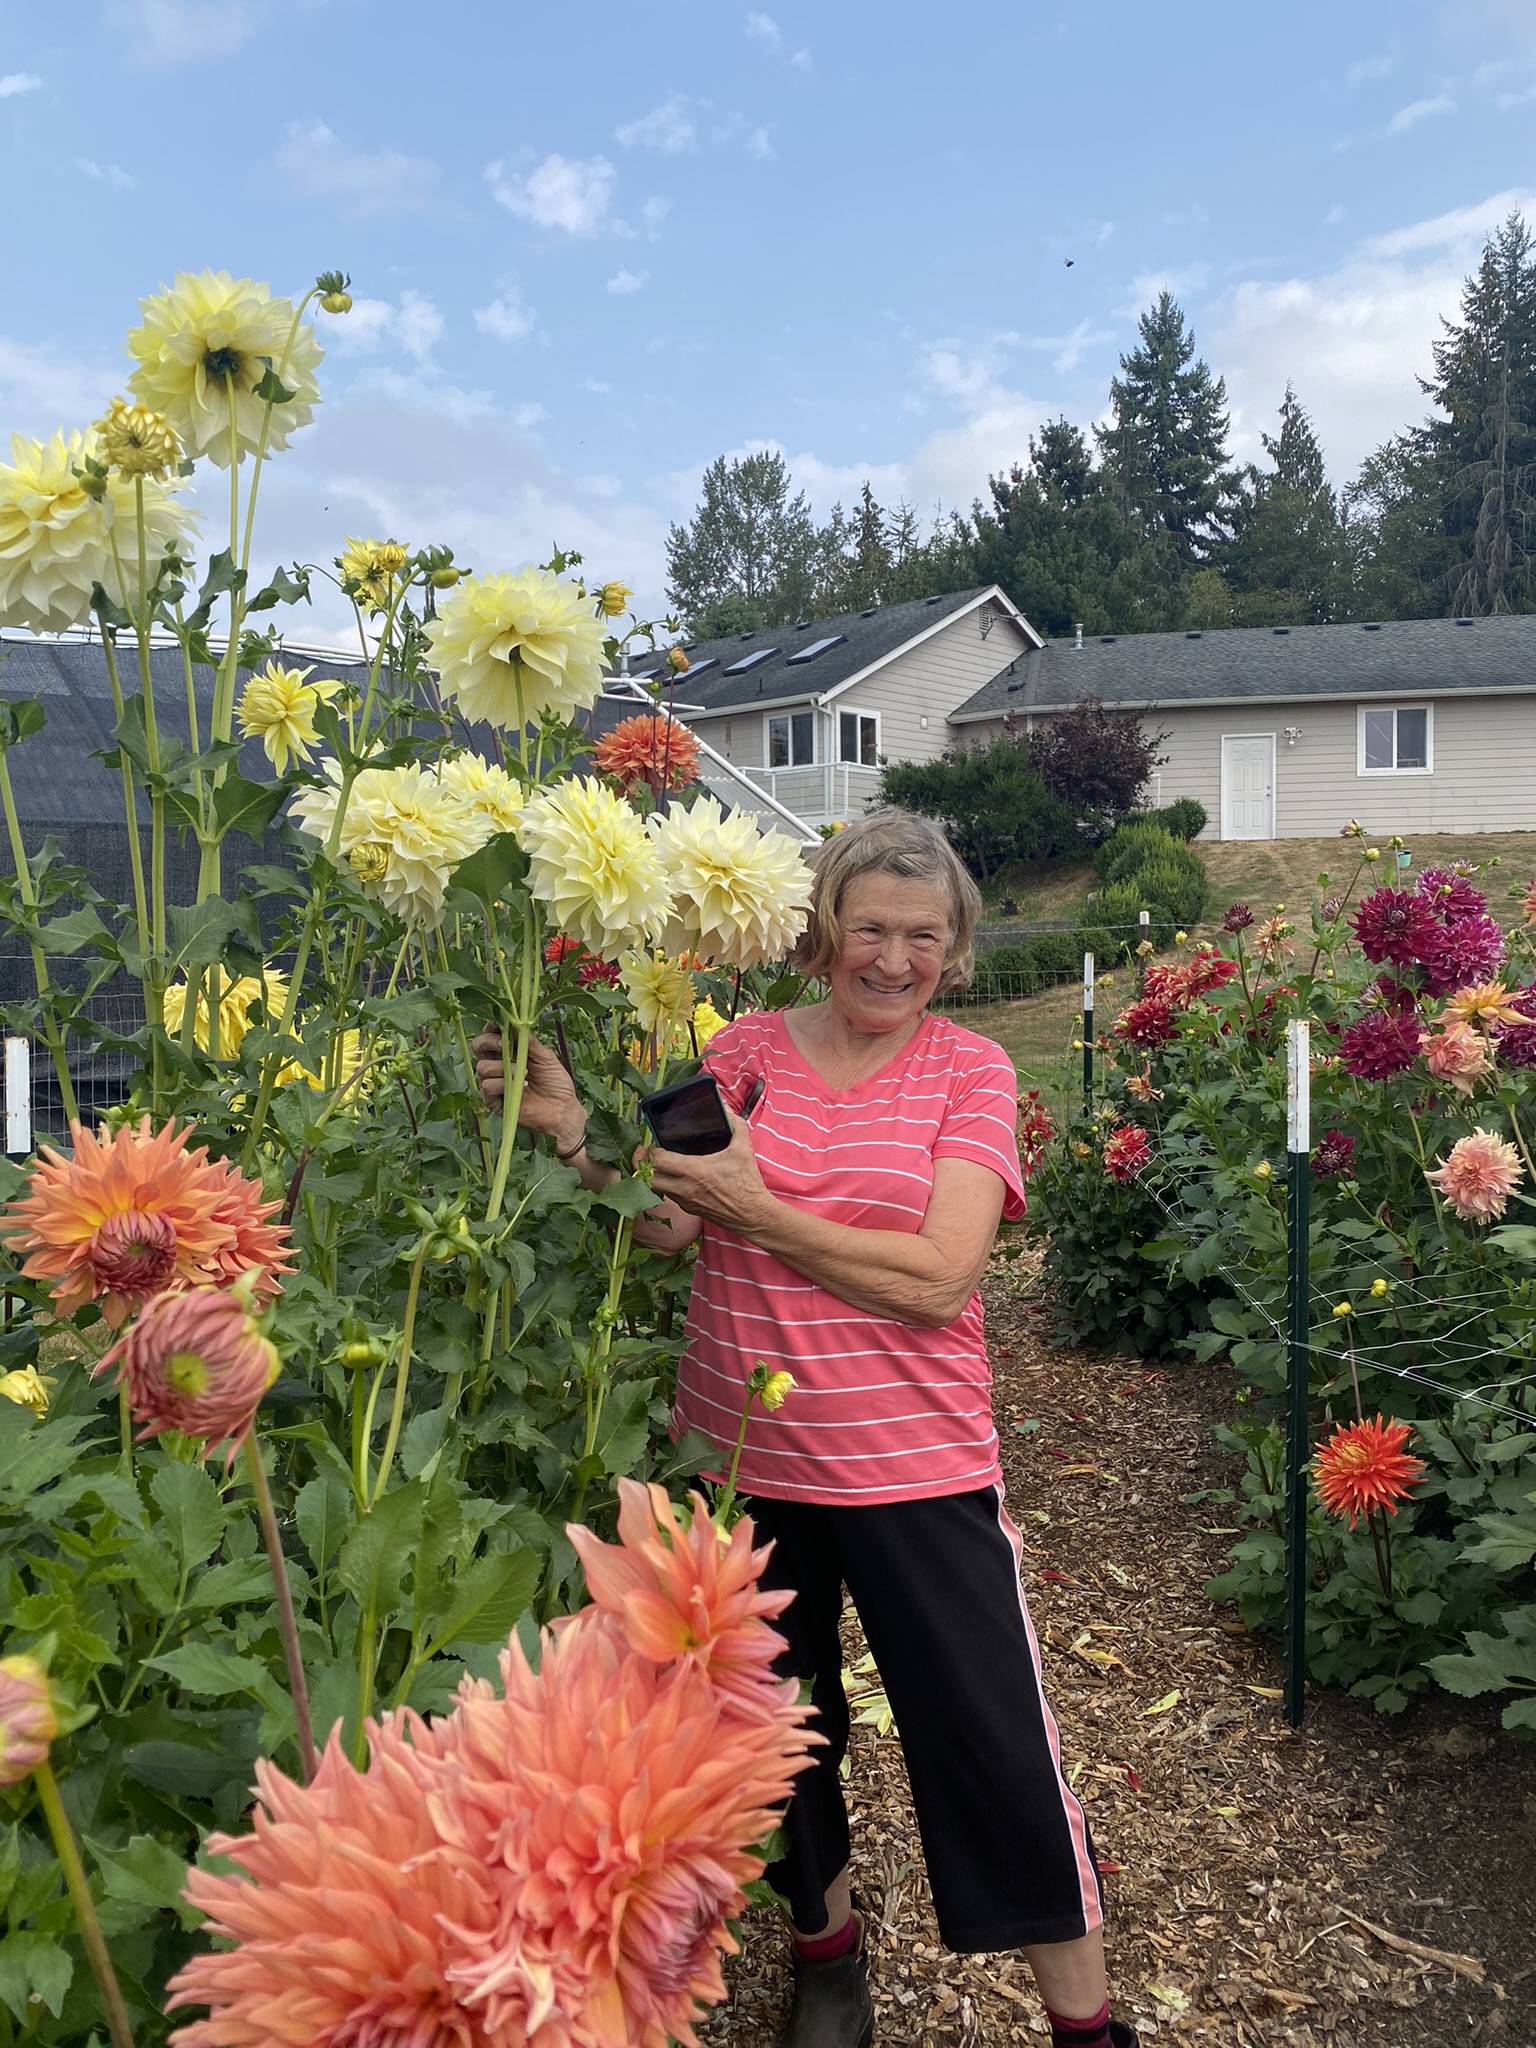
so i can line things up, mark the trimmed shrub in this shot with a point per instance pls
(1186, 818)
(1027, 966)
(1110, 929)
(1176, 885)
(1131, 846)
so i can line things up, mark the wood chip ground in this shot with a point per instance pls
(1367, 1883)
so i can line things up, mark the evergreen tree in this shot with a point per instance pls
(749, 537)
(1484, 446)
(1053, 539)
(725, 615)
(1164, 447)
(1284, 562)
(1393, 533)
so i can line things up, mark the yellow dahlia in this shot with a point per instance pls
(612, 599)
(137, 441)
(495, 797)
(369, 568)
(278, 707)
(56, 536)
(659, 989)
(740, 895)
(591, 861)
(416, 833)
(27, 1387)
(510, 648)
(1485, 1003)
(236, 1000)
(707, 1020)
(133, 1213)
(205, 346)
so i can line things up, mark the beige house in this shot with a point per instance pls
(1417, 725)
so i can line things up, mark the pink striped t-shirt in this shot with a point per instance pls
(881, 1411)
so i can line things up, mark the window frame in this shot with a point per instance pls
(787, 719)
(1362, 710)
(852, 711)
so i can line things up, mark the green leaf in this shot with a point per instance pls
(626, 1426)
(20, 718)
(144, 1872)
(378, 1549)
(10, 1860)
(182, 1769)
(629, 1197)
(1509, 1545)
(1491, 1664)
(272, 390)
(203, 930)
(193, 1513)
(155, 1573)
(490, 871)
(248, 807)
(1519, 1238)
(488, 1598)
(232, 1584)
(32, 1964)
(324, 1513)
(281, 588)
(205, 1668)
(75, 932)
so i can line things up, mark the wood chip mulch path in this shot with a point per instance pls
(1368, 1883)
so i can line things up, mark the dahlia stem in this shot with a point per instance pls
(727, 1499)
(130, 801)
(85, 1907)
(402, 1371)
(288, 1627)
(28, 896)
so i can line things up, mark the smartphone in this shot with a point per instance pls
(689, 1117)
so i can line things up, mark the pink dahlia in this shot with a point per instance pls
(1126, 1152)
(603, 972)
(1470, 950)
(1148, 1022)
(1166, 983)
(674, 1589)
(1392, 925)
(1478, 1175)
(1035, 1129)
(1450, 895)
(1380, 1045)
(195, 1362)
(1459, 1055)
(28, 1723)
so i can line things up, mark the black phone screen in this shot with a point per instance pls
(688, 1118)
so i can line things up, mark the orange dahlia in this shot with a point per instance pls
(195, 1361)
(133, 1213)
(1365, 1465)
(650, 749)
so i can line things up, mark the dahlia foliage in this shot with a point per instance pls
(1165, 1217)
(367, 1345)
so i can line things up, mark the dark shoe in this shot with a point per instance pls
(1122, 2036)
(832, 2008)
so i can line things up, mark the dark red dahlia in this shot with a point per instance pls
(1515, 1044)
(1451, 895)
(1335, 1155)
(1148, 1022)
(1392, 925)
(1237, 919)
(1469, 950)
(605, 972)
(1379, 1045)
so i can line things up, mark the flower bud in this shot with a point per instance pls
(198, 1363)
(613, 599)
(369, 861)
(1378, 1288)
(776, 1389)
(137, 441)
(336, 302)
(27, 1388)
(332, 287)
(27, 1720)
(1263, 1170)
(445, 578)
(677, 661)
(1341, 1309)
(1180, 938)
(1373, 853)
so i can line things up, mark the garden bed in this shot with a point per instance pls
(1255, 1864)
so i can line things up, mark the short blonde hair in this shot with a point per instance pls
(890, 842)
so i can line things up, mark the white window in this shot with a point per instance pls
(858, 738)
(1396, 739)
(792, 740)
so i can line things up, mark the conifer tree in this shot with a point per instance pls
(1284, 563)
(749, 537)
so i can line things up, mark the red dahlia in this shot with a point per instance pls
(1379, 1046)
(1392, 925)
(1148, 1022)
(1126, 1152)
(1365, 1465)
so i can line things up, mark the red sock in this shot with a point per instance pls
(826, 1948)
(1089, 2033)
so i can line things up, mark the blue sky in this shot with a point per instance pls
(594, 248)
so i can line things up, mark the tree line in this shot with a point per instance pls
(1144, 523)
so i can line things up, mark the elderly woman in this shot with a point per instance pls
(841, 1238)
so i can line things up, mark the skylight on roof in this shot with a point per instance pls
(752, 660)
(816, 647)
(697, 668)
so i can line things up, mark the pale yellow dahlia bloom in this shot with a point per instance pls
(369, 568)
(278, 707)
(495, 797)
(660, 990)
(612, 599)
(591, 862)
(211, 338)
(739, 895)
(512, 647)
(56, 536)
(236, 1001)
(137, 441)
(411, 834)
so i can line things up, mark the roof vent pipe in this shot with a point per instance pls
(1077, 637)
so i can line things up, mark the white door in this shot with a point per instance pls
(1248, 785)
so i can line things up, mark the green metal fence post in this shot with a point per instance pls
(1298, 1145)
(1088, 1034)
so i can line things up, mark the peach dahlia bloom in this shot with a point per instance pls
(1485, 1003)
(649, 749)
(195, 1362)
(134, 1213)
(1478, 1175)
(1457, 1055)
(27, 1720)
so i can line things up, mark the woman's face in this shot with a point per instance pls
(895, 939)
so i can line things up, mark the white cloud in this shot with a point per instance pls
(506, 318)
(626, 281)
(361, 184)
(42, 387)
(1333, 216)
(562, 192)
(106, 174)
(412, 324)
(762, 28)
(595, 384)
(179, 31)
(1419, 110)
(1370, 68)
(418, 324)
(1462, 226)
(758, 144)
(668, 127)
(528, 415)
(18, 81)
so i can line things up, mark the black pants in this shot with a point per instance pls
(936, 1586)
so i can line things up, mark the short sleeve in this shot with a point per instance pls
(981, 1118)
(734, 1058)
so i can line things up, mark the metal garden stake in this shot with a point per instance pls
(1088, 1034)
(1298, 1145)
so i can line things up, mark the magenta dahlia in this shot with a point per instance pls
(1379, 1046)
(1239, 917)
(1469, 950)
(1392, 925)
(1451, 895)
(1335, 1155)
(1515, 1044)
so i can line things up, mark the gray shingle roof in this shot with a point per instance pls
(866, 637)
(1397, 658)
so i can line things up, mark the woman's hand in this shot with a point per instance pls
(550, 1104)
(721, 1187)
